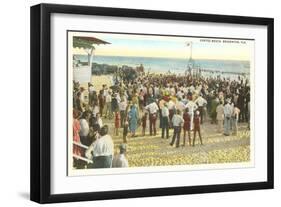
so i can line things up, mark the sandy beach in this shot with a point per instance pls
(154, 151)
(98, 81)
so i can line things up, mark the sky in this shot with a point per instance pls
(170, 47)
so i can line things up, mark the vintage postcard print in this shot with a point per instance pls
(150, 103)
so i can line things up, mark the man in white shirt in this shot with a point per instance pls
(108, 99)
(201, 102)
(84, 128)
(180, 94)
(165, 120)
(192, 88)
(228, 111)
(101, 151)
(177, 122)
(122, 107)
(171, 107)
(152, 108)
(156, 91)
(180, 105)
(191, 108)
(105, 90)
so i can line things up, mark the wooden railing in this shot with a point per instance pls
(84, 148)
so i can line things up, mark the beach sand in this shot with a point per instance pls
(155, 151)
(98, 81)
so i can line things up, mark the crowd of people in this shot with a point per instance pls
(179, 102)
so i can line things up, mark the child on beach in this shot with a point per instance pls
(196, 128)
(117, 122)
(143, 123)
(125, 131)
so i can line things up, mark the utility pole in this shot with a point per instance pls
(190, 61)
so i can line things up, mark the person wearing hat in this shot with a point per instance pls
(120, 160)
(228, 111)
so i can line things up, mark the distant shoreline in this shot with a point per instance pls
(170, 64)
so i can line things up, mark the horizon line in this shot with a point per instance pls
(165, 57)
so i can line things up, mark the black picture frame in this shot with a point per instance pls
(41, 102)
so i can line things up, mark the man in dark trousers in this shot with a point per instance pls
(247, 100)
(165, 120)
(152, 108)
(197, 127)
(177, 122)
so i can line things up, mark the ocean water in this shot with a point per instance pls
(174, 65)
